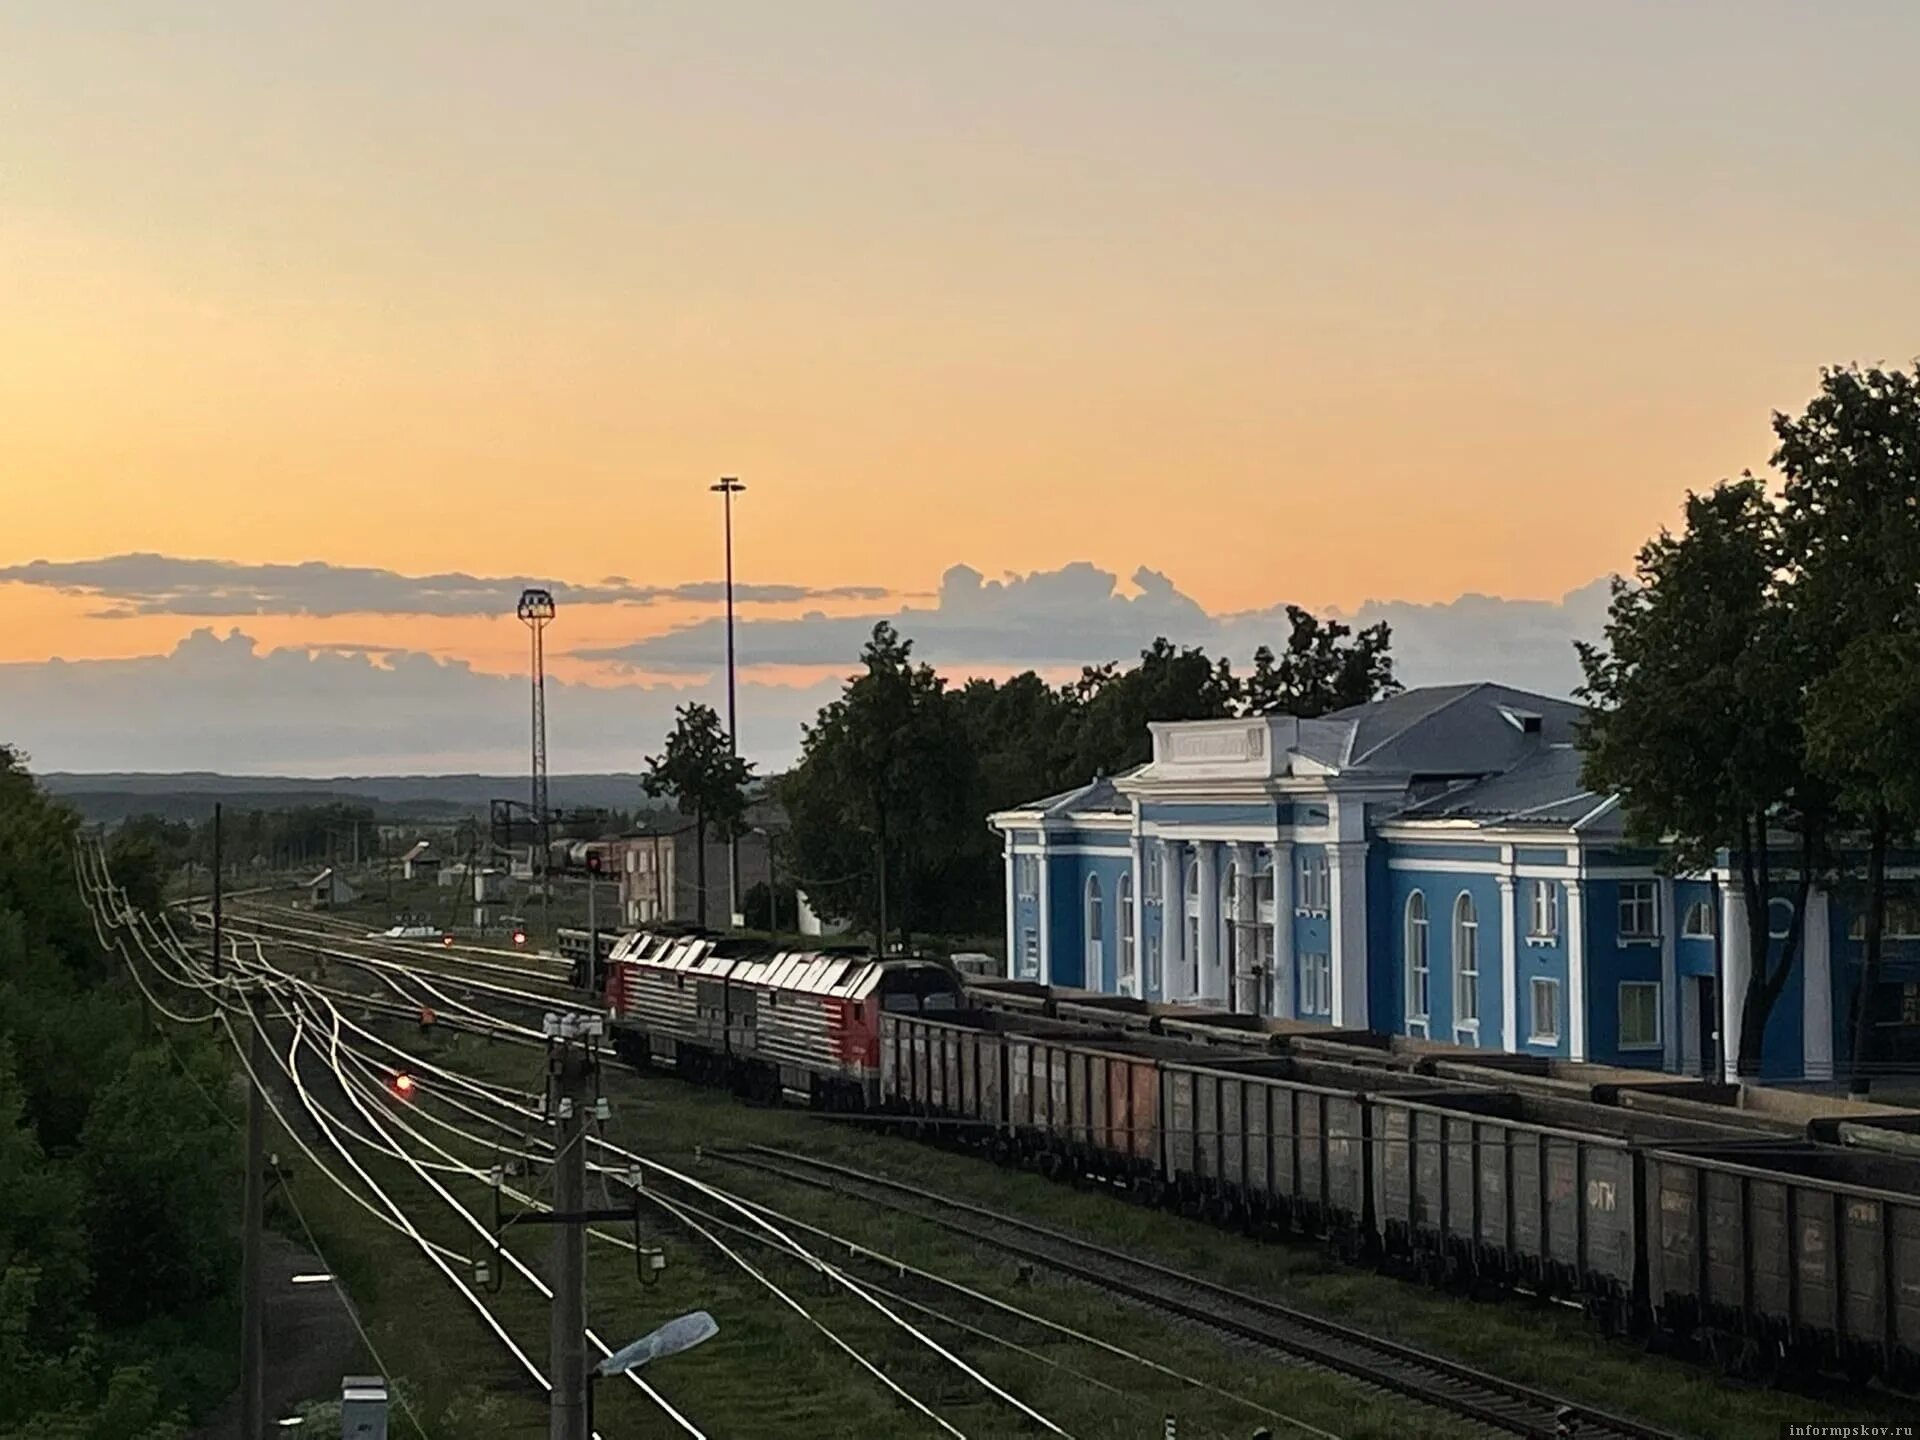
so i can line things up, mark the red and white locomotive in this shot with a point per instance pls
(801, 1025)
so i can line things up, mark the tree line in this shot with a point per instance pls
(118, 1258)
(1757, 693)
(886, 808)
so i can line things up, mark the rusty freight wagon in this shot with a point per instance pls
(1795, 1253)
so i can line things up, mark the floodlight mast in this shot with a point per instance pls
(536, 610)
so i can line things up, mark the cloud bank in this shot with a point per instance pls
(146, 584)
(222, 703)
(1080, 615)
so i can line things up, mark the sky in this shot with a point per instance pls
(1041, 329)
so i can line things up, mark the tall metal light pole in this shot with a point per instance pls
(536, 611)
(728, 488)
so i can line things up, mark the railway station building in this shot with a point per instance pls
(1428, 865)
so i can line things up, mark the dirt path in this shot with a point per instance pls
(311, 1342)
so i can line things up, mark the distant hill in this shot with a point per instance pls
(111, 796)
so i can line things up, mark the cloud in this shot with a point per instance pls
(1080, 615)
(146, 584)
(1070, 616)
(222, 703)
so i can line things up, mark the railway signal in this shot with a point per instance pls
(403, 1085)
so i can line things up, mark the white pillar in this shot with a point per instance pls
(1283, 930)
(1347, 872)
(1136, 917)
(1046, 913)
(1669, 978)
(1509, 964)
(1816, 999)
(1173, 912)
(1013, 904)
(1735, 965)
(1576, 970)
(1207, 981)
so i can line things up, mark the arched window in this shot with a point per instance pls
(1698, 924)
(1419, 964)
(1096, 933)
(1779, 918)
(1264, 985)
(1232, 961)
(1123, 899)
(1466, 964)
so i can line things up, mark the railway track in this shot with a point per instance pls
(1503, 1406)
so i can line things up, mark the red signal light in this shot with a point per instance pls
(446, 939)
(519, 937)
(403, 1085)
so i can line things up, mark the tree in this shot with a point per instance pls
(878, 807)
(1316, 674)
(1695, 718)
(1852, 502)
(699, 770)
(1114, 706)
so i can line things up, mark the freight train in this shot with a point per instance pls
(1660, 1205)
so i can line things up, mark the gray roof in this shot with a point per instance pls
(1544, 789)
(1097, 797)
(1453, 729)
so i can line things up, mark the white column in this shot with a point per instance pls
(1013, 904)
(1136, 917)
(1207, 981)
(1669, 978)
(1509, 963)
(1735, 965)
(1046, 913)
(1576, 970)
(1816, 999)
(1172, 922)
(1347, 872)
(1283, 929)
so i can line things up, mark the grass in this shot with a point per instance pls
(770, 1371)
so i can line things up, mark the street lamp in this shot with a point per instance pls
(728, 487)
(681, 1333)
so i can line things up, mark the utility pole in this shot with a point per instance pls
(218, 967)
(536, 611)
(728, 488)
(253, 1347)
(593, 919)
(570, 1068)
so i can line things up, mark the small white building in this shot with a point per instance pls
(489, 886)
(328, 889)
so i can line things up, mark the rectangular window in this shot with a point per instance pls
(1153, 963)
(1544, 922)
(1029, 954)
(1698, 924)
(1546, 1013)
(1316, 983)
(1150, 862)
(1639, 1015)
(1639, 910)
(1901, 921)
(1314, 884)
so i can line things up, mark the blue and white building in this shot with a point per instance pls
(1429, 865)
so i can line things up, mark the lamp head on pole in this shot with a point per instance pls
(727, 486)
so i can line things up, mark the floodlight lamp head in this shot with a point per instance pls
(535, 607)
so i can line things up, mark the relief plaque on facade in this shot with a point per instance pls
(1248, 742)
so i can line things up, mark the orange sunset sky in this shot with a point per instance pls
(1280, 301)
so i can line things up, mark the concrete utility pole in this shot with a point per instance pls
(569, 1070)
(253, 1340)
(218, 967)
